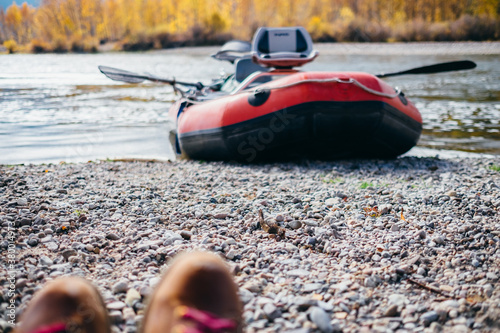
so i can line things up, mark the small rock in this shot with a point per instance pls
(310, 287)
(116, 316)
(68, 253)
(438, 240)
(21, 283)
(395, 228)
(145, 291)
(22, 202)
(186, 234)
(52, 246)
(132, 296)
(372, 281)
(271, 311)
(25, 222)
(298, 273)
(491, 276)
(392, 311)
(119, 287)
(331, 201)
(220, 216)
(116, 305)
(245, 295)
(45, 261)
(421, 234)
(252, 286)
(296, 224)
(429, 317)
(128, 314)
(321, 319)
(112, 236)
(230, 254)
(397, 299)
(74, 259)
(33, 242)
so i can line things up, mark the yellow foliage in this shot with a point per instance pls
(346, 14)
(10, 45)
(316, 27)
(64, 24)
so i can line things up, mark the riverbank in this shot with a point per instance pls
(410, 244)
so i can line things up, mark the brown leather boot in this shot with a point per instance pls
(68, 304)
(197, 294)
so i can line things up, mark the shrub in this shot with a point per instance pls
(80, 44)
(39, 46)
(10, 45)
(59, 45)
(364, 31)
(469, 28)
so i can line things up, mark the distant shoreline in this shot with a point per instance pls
(351, 48)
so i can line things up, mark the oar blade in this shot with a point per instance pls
(121, 75)
(444, 67)
(436, 68)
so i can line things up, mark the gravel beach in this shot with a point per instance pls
(406, 245)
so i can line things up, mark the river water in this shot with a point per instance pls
(59, 107)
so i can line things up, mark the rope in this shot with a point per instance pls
(332, 80)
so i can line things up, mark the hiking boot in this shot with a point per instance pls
(65, 305)
(197, 294)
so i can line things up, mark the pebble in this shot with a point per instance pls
(33, 242)
(429, 317)
(295, 224)
(115, 316)
(421, 234)
(45, 261)
(116, 305)
(338, 267)
(391, 311)
(68, 253)
(271, 311)
(438, 240)
(321, 319)
(120, 287)
(112, 236)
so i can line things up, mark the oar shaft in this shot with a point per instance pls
(130, 77)
(436, 68)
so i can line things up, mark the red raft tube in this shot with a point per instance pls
(283, 114)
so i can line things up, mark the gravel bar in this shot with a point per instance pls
(405, 245)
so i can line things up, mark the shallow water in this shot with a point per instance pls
(61, 108)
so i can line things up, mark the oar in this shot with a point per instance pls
(437, 68)
(129, 77)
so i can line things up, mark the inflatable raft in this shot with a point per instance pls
(267, 110)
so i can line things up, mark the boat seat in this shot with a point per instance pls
(282, 47)
(245, 67)
(233, 50)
